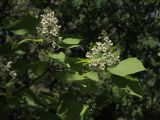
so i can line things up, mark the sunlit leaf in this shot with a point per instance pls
(31, 40)
(60, 56)
(84, 109)
(20, 52)
(71, 41)
(20, 32)
(32, 100)
(127, 67)
(92, 75)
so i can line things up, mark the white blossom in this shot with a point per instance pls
(13, 74)
(49, 27)
(7, 68)
(103, 55)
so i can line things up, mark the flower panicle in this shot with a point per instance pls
(49, 27)
(7, 68)
(102, 55)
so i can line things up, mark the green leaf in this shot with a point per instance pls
(92, 75)
(127, 67)
(75, 60)
(130, 85)
(84, 109)
(61, 112)
(20, 32)
(74, 77)
(72, 111)
(71, 41)
(20, 52)
(83, 60)
(48, 99)
(70, 77)
(88, 86)
(32, 100)
(73, 46)
(37, 68)
(24, 24)
(76, 63)
(60, 56)
(128, 90)
(31, 40)
(68, 46)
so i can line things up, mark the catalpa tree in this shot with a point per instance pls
(39, 70)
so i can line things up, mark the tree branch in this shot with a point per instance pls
(27, 86)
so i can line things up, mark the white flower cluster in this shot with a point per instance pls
(103, 55)
(7, 68)
(49, 27)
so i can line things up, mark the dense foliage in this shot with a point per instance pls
(58, 60)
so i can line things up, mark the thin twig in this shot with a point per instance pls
(27, 86)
